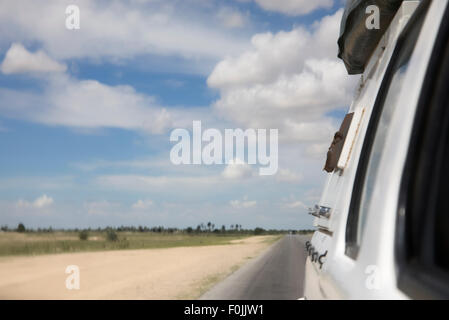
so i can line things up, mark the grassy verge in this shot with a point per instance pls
(12, 243)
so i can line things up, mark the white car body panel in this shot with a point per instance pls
(342, 277)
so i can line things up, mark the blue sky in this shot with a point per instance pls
(86, 115)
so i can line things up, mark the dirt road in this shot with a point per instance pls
(175, 273)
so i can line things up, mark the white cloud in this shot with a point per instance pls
(293, 7)
(43, 201)
(120, 29)
(237, 169)
(295, 205)
(194, 181)
(101, 207)
(23, 204)
(37, 182)
(289, 80)
(40, 202)
(86, 104)
(286, 175)
(147, 183)
(19, 60)
(143, 204)
(231, 18)
(317, 150)
(243, 204)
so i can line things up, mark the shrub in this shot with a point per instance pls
(259, 231)
(84, 235)
(21, 227)
(123, 243)
(111, 235)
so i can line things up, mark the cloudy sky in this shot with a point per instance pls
(86, 115)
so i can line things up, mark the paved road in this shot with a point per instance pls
(277, 274)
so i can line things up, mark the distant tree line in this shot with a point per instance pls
(202, 228)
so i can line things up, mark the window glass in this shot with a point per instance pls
(377, 149)
(441, 226)
(367, 172)
(422, 237)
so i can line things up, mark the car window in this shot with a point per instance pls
(372, 150)
(422, 238)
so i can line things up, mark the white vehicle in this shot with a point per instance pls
(383, 218)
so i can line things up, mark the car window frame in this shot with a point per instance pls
(416, 278)
(352, 245)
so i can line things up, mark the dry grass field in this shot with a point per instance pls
(35, 243)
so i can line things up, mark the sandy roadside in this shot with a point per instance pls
(175, 273)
